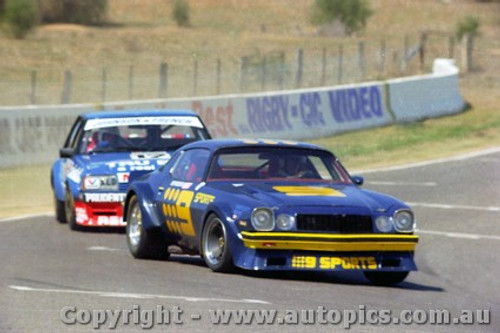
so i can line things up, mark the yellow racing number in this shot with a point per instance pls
(177, 210)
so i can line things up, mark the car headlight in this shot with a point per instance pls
(383, 223)
(403, 221)
(262, 219)
(285, 222)
(107, 182)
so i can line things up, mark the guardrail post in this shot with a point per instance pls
(195, 77)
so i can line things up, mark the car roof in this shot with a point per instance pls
(136, 113)
(216, 144)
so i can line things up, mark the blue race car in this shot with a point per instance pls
(104, 151)
(269, 205)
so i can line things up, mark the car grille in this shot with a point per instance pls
(342, 224)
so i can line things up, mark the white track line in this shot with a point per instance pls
(436, 161)
(25, 217)
(458, 235)
(386, 183)
(461, 207)
(134, 295)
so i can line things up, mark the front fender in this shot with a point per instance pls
(57, 180)
(224, 212)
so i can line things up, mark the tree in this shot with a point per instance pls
(469, 25)
(352, 14)
(180, 13)
(20, 17)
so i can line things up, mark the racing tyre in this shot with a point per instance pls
(215, 245)
(140, 244)
(60, 211)
(69, 210)
(386, 278)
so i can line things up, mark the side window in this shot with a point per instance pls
(191, 165)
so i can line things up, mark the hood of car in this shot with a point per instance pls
(126, 165)
(308, 194)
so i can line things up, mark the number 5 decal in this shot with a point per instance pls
(178, 212)
(184, 212)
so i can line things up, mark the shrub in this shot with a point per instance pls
(20, 17)
(90, 12)
(180, 13)
(469, 25)
(353, 14)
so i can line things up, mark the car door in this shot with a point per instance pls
(176, 195)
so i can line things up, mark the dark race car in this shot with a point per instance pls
(269, 205)
(104, 151)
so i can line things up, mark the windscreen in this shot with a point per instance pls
(140, 134)
(266, 163)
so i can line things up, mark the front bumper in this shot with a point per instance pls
(99, 214)
(326, 252)
(328, 242)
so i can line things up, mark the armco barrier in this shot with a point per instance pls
(33, 135)
(426, 96)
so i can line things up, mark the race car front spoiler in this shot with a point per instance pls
(328, 242)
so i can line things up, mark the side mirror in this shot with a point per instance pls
(358, 180)
(66, 152)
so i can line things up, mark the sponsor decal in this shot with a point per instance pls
(181, 184)
(104, 197)
(123, 177)
(203, 198)
(347, 263)
(304, 191)
(132, 165)
(150, 155)
(103, 220)
(130, 121)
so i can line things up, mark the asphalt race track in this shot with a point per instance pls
(50, 274)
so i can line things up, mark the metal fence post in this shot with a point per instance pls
(282, 71)
(298, 76)
(33, 87)
(243, 61)
(162, 89)
(131, 82)
(66, 91)
(218, 76)
(323, 67)
(341, 63)
(104, 84)
(361, 60)
(195, 77)
(383, 56)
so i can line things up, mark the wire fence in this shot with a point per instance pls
(340, 63)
